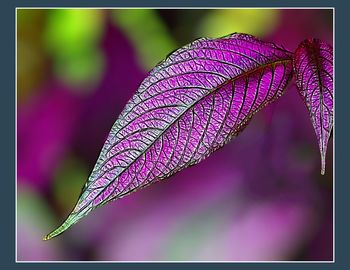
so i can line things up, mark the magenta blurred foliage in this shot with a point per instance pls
(46, 126)
(262, 194)
(101, 108)
(299, 24)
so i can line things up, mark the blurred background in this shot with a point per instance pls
(261, 197)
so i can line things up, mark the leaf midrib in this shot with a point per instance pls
(242, 75)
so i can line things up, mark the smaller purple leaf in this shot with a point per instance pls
(313, 66)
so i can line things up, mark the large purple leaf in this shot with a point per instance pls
(313, 64)
(191, 104)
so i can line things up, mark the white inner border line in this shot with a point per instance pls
(334, 125)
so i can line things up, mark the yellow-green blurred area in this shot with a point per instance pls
(259, 198)
(65, 43)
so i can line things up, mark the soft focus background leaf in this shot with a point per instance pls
(257, 22)
(148, 34)
(270, 172)
(71, 37)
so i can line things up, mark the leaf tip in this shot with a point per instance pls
(73, 218)
(46, 237)
(323, 163)
(59, 230)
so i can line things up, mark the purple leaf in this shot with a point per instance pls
(190, 105)
(313, 64)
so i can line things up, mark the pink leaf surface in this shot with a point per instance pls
(191, 104)
(313, 64)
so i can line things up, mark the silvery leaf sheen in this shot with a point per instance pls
(191, 104)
